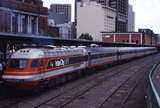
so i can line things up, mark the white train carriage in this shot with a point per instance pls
(101, 55)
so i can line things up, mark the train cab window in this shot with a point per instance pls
(35, 63)
(18, 63)
(41, 62)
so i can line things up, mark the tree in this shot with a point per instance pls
(86, 36)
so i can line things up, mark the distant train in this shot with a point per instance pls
(31, 67)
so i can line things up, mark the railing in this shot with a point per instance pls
(153, 96)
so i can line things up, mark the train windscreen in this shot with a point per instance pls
(18, 63)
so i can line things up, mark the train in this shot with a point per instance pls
(29, 68)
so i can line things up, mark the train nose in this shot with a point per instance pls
(20, 82)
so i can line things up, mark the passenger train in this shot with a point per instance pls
(30, 67)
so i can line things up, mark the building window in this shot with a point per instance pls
(110, 17)
(24, 24)
(107, 36)
(32, 25)
(14, 23)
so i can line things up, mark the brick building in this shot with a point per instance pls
(128, 37)
(23, 17)
(153, 37)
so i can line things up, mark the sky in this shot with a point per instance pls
(146, 12)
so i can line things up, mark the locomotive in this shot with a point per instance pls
(29, 67)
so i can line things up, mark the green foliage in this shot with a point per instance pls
(86, 36)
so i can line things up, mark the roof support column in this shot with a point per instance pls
(114, 38)
(141, 40)
(130, 38)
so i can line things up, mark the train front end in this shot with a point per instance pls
(23, 70)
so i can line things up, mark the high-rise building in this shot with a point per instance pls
(93, 18)
(121, 7)
(61, 13)
(131, 19)
(103, 2)
(60, 16)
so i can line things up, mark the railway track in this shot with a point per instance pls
(123, 92)
(70, 94)
(100, 94)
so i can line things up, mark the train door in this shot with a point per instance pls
(89, 59)
(42, 68)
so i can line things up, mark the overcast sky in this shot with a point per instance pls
(146, 11)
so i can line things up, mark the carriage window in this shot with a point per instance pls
(58, 62)
(18, 63)
(51, 64)
(74, 60)
(35, 63)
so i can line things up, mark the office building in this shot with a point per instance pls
(103, 2)
(61, 13)
(93, 18)
(121, 7)
(131, 19)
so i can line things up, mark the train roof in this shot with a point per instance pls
(101, 49)
(46, 52)
(123, 49)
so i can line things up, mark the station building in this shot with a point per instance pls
(23, 17)
(139, 38)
